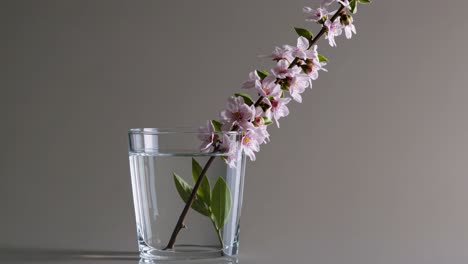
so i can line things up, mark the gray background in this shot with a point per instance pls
(371, 168)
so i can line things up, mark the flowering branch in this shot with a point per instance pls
(324, 29)
(314, 40)
(295, 70)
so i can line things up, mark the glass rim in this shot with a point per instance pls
(176, 130)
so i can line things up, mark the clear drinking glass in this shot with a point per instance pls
(165, 164)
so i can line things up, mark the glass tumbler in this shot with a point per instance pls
(173, 221)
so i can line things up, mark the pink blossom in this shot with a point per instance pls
(335, 29)
(302, 49)
(278, 108)
(315, 15)
(250, 145)
(238, 113)
(262, 134)
(315, 66)
(282, 70)
(349, 28)
(250, 83)
(312, 71)
(252, 140)
(298, 85)
(268, 87)
(312, 67)
(345, 3)
(314, 54)
(208, 136)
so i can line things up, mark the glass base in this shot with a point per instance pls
(186, 254)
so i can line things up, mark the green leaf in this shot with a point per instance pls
(262, 74)
(204, 192)
(217, 125)
(365, 2)
(247, 99)
(221, 202)
(304, 33)
(267, 121)
(184, 190)
(322, 58)
(353, 5)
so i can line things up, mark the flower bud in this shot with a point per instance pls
(346, 19)
(323, 19)
(264, 106)
(285, 83)
(308, 67)
(258, 121)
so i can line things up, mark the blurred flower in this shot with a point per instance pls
(250, 83)
(283, 53)
(335, 29)
(327, 2)
(347, 22)
(207, 136)
(262, 134)
(229, 147)
(349, 30)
